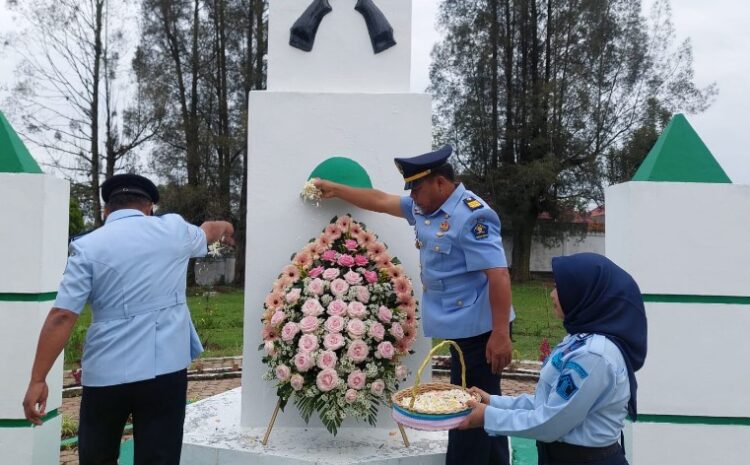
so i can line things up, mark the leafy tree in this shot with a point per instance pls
(547, 102)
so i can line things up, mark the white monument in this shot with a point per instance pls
(681, 228)
(338, 100)
(34, 236)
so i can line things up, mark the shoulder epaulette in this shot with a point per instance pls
(78, 236)
(473, 203)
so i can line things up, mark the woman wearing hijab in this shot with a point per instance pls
(587, 385)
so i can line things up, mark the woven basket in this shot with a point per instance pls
(430, 421)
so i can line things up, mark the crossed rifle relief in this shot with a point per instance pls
(306, 27)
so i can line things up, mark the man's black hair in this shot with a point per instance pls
(127, 200)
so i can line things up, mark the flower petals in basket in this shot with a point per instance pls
(433, 406)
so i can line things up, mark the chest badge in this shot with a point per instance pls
(444, 226)
(418, 244)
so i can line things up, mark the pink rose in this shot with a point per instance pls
(356, 328)
(385, 314)
(377, 331)
(350, 244)
(308, 343)
(303, 361)
(289, 331)
(361, 260)
(358, 351)
(333, 341)
(346, 260)
(377, 387)
(334, 324)
(397, 331)
(337, 308)
(363, 295)
(329, 256)
(352, 277)
(309, 324)
(277, 318)
(269, 348)
(339, 287)
(283, 372)
(401, 372)
(327, 359)
(327, 379)
(297, 382)
(385, 350)
(331, 273)
(312, 307)
(316, 286)
(357, 309)
(371, 277)
(350, 396)
(356, 380)
(293, 295)
(315, 272)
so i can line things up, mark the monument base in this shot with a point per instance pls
(214, 436)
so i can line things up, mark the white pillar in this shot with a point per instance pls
(33, 244)
(685, 243)
(340, 99)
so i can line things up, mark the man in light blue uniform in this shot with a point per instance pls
(587, 386)
(141, 340)
(464, 275)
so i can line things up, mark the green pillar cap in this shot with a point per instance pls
(343, 171)
(680, 155)
(14, 156)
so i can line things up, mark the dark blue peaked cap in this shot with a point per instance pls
(416, 168)
(129, 184)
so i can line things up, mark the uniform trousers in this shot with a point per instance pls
(158, 410)
(475, 446)
(576, 455)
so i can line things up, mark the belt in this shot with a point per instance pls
(117, 312)
(563, 452)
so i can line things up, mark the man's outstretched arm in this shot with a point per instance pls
(368, 199)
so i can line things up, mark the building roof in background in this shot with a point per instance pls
(14, 156)
(680, 155)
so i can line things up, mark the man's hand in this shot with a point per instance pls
(475, 418)
(218, 231)
(326, 188)
(499, 351)
(35, 402)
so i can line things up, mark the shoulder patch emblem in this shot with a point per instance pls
(480, 231)
(473, 203)
(566, 387)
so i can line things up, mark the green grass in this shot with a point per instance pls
(218, 317)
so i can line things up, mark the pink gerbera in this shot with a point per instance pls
(303, 260)
(332, 231)
(274, 300)
(291, 272)
(402, 285)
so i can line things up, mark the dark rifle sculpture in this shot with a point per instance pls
(306, 27)
(381, 32)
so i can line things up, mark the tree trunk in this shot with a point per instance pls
(95, 79)
(495, 90)
(523, 229)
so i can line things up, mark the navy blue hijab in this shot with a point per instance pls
(599, 297)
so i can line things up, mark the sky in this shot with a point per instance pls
(717, 31)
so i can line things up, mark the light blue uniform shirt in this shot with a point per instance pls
(581, 398)
(133, 272)
(456, 243)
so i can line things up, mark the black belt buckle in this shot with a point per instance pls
(563, 452)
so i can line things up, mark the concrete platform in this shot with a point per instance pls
(214, 436)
